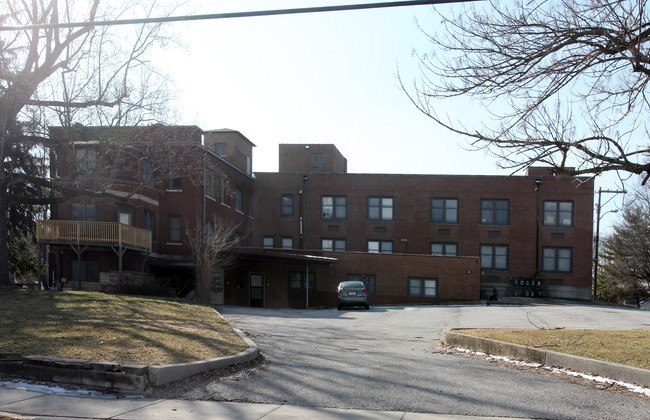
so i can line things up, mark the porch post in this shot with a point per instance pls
(307, 288)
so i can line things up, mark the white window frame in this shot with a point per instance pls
(268, 242)
(557, 260)
(445, 248)
(380, 247)
(239, 200)
(556, 214)
(333, 244)
(449, 210)
(490, 212)
(286, 205)
(383, 207)
(492, 260)
(423, 287)
(287, 242)
(175, 233)
(334, 207)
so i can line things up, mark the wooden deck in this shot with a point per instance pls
(109, 234)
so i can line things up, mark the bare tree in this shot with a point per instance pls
(64, 75)
(564, 81)
(212, 246)
(626, 253)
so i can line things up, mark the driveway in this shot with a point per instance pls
(388, 358)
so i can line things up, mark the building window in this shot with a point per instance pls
(268, 242)
(125, 214)
(175, 183)
(385, 247)
(495, 212)
(287, 205)
(370, 281)
(150, 222)
(297, 280)
(249, 165)
(319, 161)
(220, 149)
(380, 208)
(147, 172)
(287, 242)
(444, 210)
(209, 184)
(175, 229)
(494, 257)
(222, 189)
(333, 244)
(239, 200)
(86, 158)
(89, 271)
(334, 207)
(423, 287)
(558, 213)
(83, 211)
(558, 260)
(443, 248)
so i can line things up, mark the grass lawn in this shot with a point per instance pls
(626, 347)
(112, 328)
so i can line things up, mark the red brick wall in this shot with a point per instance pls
(238, 147)
(292, 158)
(458, 279)
(412, 194)
(186, 203)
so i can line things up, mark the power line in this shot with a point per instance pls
(233, 15)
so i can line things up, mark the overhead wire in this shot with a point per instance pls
(232, 15)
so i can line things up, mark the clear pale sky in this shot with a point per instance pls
(321, 78)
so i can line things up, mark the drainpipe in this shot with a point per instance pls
(203, 210)
(538, 185)
(303, 245)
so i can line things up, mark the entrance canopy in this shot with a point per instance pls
(285, 255)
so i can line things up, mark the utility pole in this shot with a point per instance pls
(597, 238)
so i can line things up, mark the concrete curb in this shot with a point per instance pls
(609, 370)
(164, 374)
(113, 376)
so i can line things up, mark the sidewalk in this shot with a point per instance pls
(25, 404)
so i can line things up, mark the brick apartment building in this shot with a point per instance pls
(144, 231)
(313, 203)
(302, 230)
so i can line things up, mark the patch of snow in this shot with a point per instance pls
(631, 387)
(58, 390)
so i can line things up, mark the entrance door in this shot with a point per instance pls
(257, 290)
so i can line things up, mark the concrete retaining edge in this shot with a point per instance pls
(628, 374)
(164, 374)
(113, 376)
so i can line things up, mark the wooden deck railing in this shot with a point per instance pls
(92, 233)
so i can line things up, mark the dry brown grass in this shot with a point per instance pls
(113, 328)
(626, 347)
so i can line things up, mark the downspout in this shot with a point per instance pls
(204, 203)
(538, 186)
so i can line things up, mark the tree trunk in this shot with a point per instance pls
(4, 250)
(5, 114)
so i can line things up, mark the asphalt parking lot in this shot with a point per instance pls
(389, 358)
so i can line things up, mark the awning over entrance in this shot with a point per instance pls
(285, 255)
